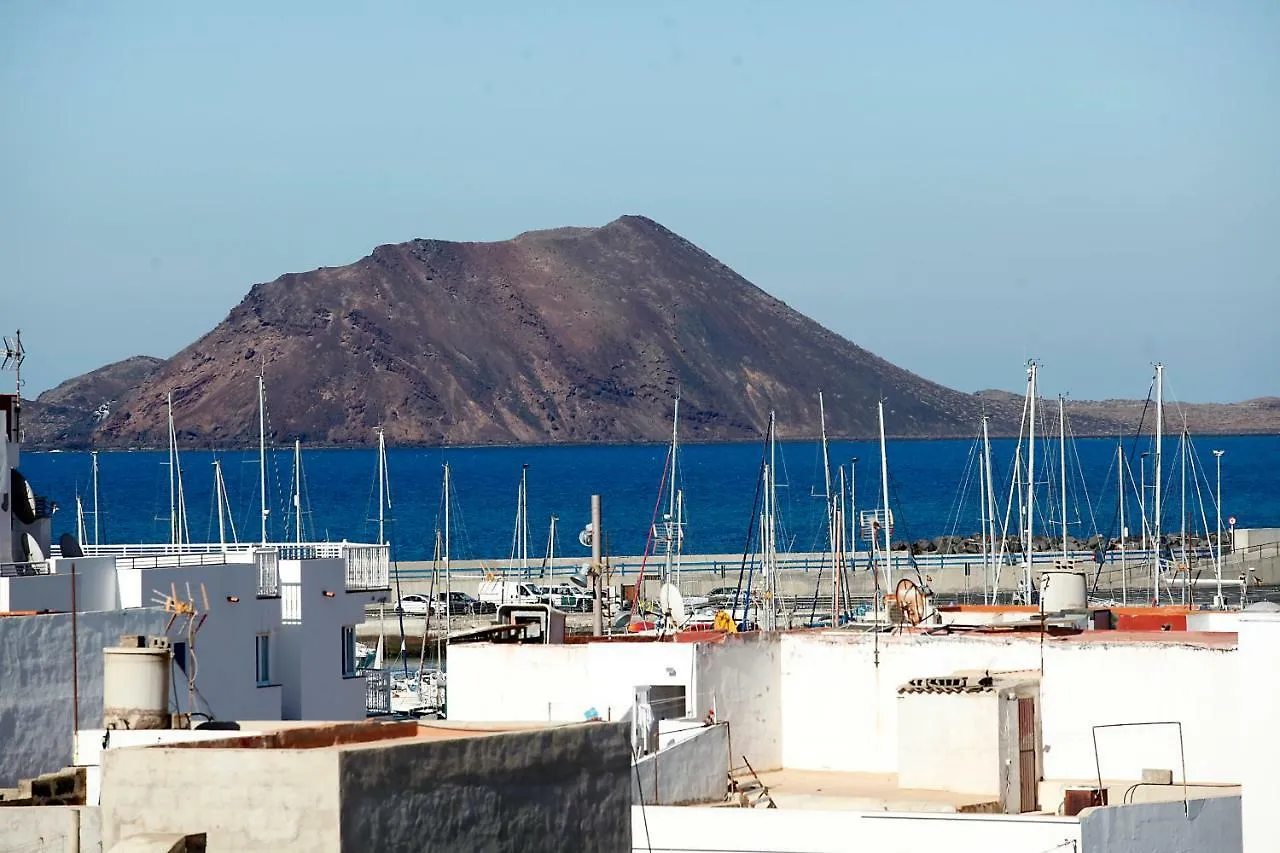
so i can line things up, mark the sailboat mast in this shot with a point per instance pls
(1156, 537)
(79, 519)
(93, 455)
(382, 487)
(1186, 561)
(173, 494)
(448, 574)
(1062, 449)
(838, 565)
(991, 497)
(832, 534)
(217, 499)
(888, 515)
(1124, 566)
(262, 450)
(982, 518)
(297, 490)
(671, 526)
(524, 519)
(1032, 369)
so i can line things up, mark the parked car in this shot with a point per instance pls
(461, 604)
(414, 605)
(566, 597)
(723, 596)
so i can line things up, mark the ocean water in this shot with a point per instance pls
(933, 491)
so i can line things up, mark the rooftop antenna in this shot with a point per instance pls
(14, 355)
(194, 616)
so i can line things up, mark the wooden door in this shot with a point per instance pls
(1027, 776)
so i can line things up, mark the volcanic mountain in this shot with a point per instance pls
(568, 335)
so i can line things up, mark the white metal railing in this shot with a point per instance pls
(268, 562)
(368, 566)
(377, 691)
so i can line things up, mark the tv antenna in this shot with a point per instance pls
(14, 355)
(187, 609)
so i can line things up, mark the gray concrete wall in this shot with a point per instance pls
(742, 677)
(64, 829)
(692, 771)
(1213, 826)
(36, 685)
(247, 800)
(556, 789)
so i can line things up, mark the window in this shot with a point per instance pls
(348, 651)
(263, 659)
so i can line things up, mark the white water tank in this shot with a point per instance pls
(135, 685)
(1063, 588)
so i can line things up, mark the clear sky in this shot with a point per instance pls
(956, 186)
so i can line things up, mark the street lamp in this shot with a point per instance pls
(1217, 456)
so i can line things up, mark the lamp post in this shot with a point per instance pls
(1217, 456)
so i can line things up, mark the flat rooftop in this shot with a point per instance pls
(819, 789)
(353, 735)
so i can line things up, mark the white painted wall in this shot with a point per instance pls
(950, 742)
(95, 587)
(1226, 621)
(36, 685)
(741, 678)
(310, 653)
(1088, 684)
(672, 829)
(840, 709)
(1259, 709)
(1207, 825)
(499, 682)
(226, 672)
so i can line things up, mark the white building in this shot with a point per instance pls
(274, 626)
(907, 741)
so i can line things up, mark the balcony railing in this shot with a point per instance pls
(17, 570)
(268, 562)
(368, 566)
(377, 691)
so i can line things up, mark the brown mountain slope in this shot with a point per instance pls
(569, 335)
(581, 334)
(65, 416)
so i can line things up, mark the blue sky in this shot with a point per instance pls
(955, 186)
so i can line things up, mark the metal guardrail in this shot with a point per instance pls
(18, 570)
(377, 691)
(157, 561)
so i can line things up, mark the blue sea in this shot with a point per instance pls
(933, 491)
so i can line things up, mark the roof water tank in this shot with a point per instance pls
(1062, 588)
(135, 683)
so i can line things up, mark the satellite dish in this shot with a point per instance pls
(24, 500)
(584, 538)
(69, 547)
(31, 549)
(913, 601)
(672, 603)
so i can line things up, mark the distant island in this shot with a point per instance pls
(573, 335)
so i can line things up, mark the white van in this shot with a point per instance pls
(509, 592)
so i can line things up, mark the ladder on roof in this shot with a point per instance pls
(750, 792)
